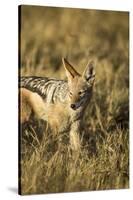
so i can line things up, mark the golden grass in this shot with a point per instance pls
(47, 164)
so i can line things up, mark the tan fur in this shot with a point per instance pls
(25, 107)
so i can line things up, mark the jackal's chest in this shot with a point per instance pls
(57, 115)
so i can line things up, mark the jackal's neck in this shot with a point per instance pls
(62, 93)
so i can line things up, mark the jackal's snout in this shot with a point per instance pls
(73, 106)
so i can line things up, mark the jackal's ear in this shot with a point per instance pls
(89, 73)
(70, 71)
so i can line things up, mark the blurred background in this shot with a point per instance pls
(48, 34)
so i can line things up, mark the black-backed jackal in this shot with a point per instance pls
(61, 103)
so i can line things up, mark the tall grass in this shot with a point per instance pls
(47, 163)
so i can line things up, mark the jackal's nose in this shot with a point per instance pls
(73, 106)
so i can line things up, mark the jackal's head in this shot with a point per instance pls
(80, 86)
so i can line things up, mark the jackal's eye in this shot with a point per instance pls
(70, 94)
(80, 93)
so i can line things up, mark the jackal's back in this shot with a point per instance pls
(50, 89)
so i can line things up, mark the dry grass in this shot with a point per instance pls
(47, 164)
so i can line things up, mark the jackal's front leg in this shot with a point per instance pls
(75, 140)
